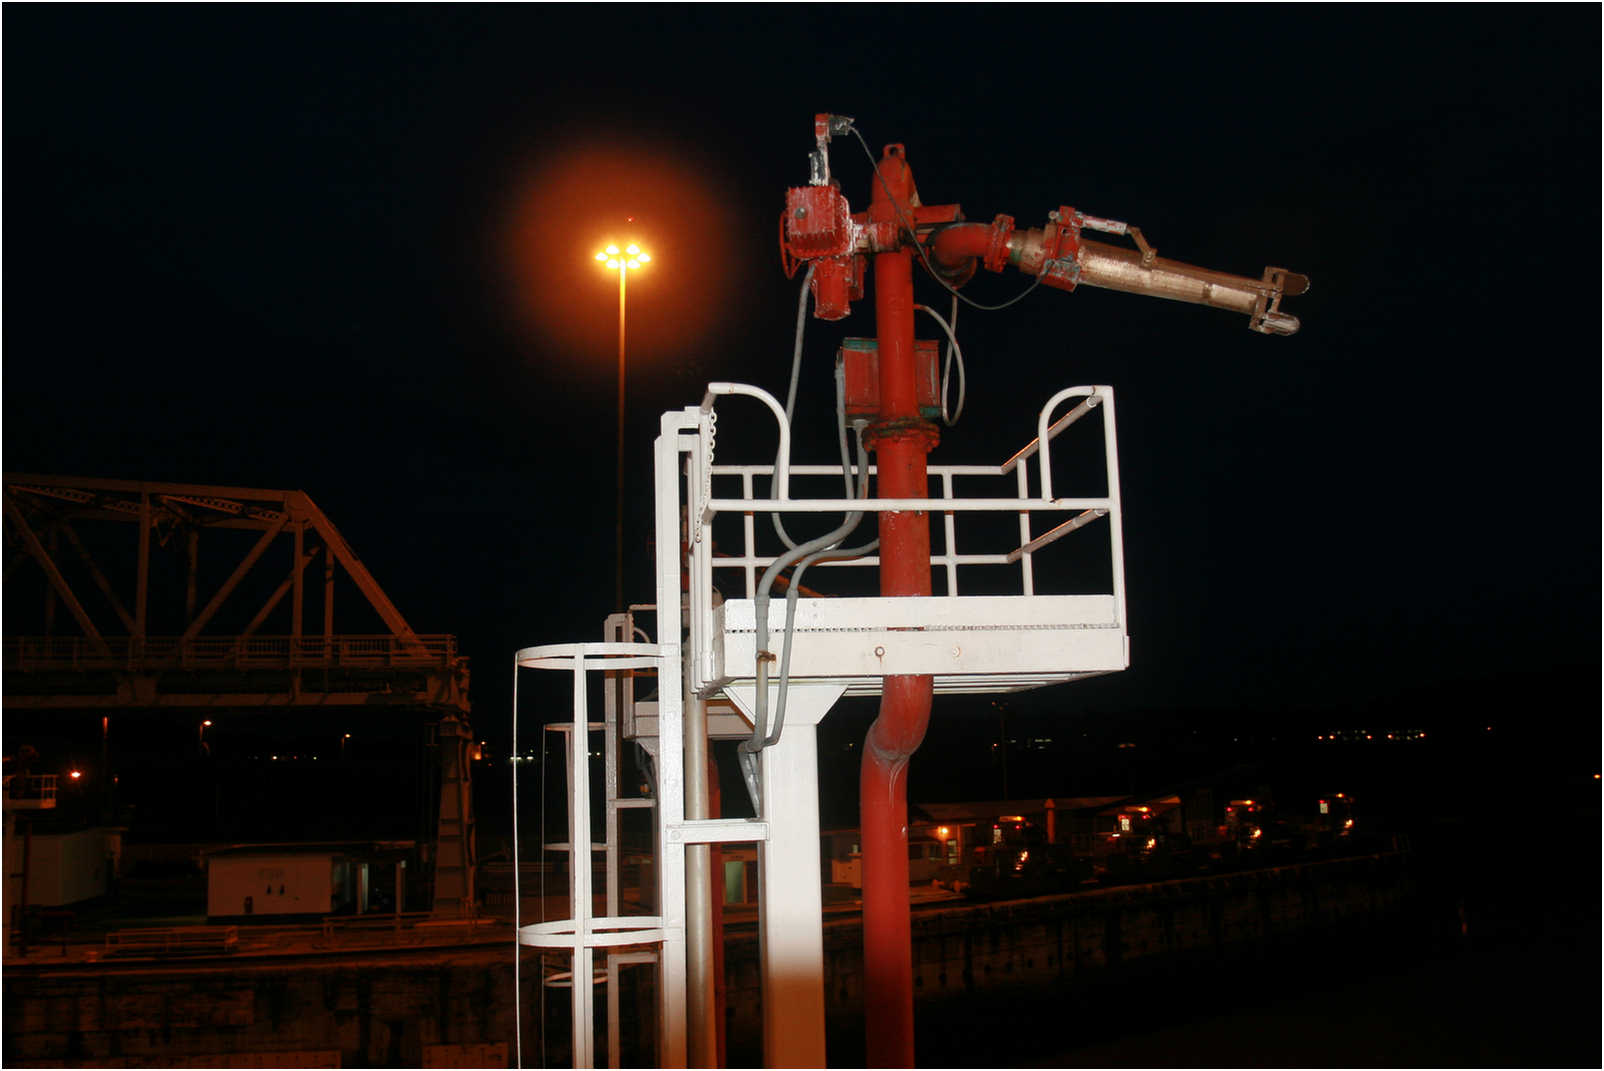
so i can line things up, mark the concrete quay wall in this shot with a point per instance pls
(1085, 937)
(392, 1012)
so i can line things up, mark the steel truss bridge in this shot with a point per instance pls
(104, 587)
(120, 657)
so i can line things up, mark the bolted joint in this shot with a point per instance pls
(1002, 229)
(1061, 237)
(915, 430)
(877, 236)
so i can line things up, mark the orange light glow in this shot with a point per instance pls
(676, 208)
(943, 832)
(75, 774)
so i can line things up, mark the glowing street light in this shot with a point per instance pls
(621, 260)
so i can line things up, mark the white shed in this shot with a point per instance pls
(279, 880)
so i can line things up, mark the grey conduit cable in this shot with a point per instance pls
(806, 553)
(953, 349)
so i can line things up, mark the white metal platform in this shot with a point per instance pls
(993, 642)
(969, 643)
(704, 663)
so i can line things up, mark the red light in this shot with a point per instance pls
(75, 774)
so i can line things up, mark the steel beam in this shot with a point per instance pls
(58, 583)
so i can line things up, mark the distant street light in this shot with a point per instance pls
(621, 260)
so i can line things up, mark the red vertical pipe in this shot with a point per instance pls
(901, 438)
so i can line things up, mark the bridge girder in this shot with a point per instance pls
(64, 526)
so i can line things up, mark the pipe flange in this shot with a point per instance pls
(903, 429)
(1002, 229)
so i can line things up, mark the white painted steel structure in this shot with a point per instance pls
(970, 643)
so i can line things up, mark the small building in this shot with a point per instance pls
(58, 860)
(843, 857)
(306, 879)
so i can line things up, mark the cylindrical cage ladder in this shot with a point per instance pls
(583, 932)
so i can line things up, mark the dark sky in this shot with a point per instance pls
(345, 249)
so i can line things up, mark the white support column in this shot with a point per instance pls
(703, 1041)
(670, 743)
(790, 886)
(583, 1006)
(614, 630)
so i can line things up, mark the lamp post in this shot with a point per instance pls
(621, 260)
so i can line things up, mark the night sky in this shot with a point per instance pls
(347, 250)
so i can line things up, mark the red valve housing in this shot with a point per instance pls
(818, 222)
(837, 283)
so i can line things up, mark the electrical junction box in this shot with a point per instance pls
(860, 358)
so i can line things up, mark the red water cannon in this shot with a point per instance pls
(819, 228)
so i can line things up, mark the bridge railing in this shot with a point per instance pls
(38, 653)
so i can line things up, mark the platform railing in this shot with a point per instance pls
(1013, 477)
(41, 653)
(997, 620)
(173, 940)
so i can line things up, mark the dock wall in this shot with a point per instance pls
(455, 1007)
(1084, 938)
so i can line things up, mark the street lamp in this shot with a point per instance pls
(621, 260)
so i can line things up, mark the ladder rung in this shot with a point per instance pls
(718, 831)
